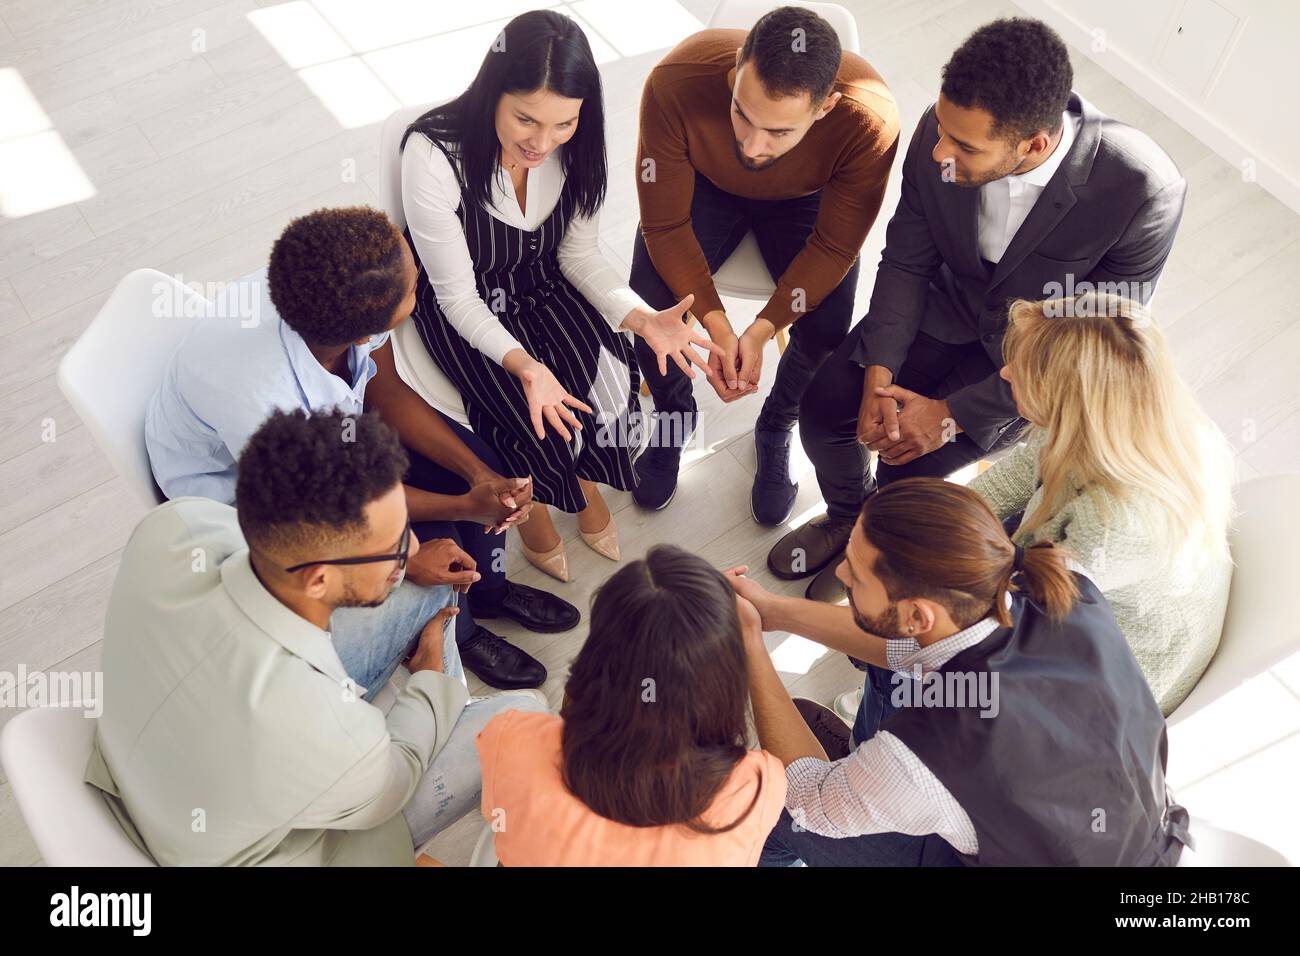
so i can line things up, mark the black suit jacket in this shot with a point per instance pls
(1106, 219)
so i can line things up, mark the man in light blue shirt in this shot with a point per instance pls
(235, 368)
(310, 332)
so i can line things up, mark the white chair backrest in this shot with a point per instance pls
(390, 159)
(44, 753)
(743, 14)
(1216, 846)
(112, 370)
(410, 357)
(1262, 625)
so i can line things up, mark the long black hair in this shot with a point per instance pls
(540, 49)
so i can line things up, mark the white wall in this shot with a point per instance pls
(1223, 69)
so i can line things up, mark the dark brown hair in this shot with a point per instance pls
(654, 714)
(941, 541)
(789, 62)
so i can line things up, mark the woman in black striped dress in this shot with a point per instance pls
(501, 189)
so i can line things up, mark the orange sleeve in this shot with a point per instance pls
(850, 202)
(665, 183)
(488, 743)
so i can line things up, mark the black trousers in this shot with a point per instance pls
(828, 420)
(486, 548)
(781, 228)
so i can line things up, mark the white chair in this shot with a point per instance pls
(1262, 624)
(410, 357)
(114, 367)
(44, 752)
(1216, 846)
(744, 275)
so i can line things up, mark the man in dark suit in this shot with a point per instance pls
(1013, 187)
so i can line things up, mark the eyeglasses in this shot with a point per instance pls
(403, 552)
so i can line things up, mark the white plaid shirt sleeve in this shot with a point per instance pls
(882, 787)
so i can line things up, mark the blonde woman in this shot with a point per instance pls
(1121, 467)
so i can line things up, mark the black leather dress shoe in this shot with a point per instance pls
(808, 549)
(497, 662)
(535, 609)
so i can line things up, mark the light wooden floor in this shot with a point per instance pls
(202, 127)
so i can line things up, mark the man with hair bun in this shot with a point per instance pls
(1019, 729)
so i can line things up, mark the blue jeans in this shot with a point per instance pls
(372, 641)
(874, 706)
(453, 784)
(788, 846)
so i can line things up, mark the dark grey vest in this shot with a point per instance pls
(1071, 770)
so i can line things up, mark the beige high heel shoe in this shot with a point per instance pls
(554, 562)
(605, 541)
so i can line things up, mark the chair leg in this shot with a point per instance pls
(782, 340)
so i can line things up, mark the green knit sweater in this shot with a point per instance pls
(1171, 612)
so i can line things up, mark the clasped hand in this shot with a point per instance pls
(737, 365)
(901, 425)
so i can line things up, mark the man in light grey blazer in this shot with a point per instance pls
(1013, 187)
(231, 733)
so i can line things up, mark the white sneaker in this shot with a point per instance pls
(846, 705)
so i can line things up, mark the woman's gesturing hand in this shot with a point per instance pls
(670, 337)
(547, 399)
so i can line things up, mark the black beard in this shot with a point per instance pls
(352, 598)
(748, 166)
(886, 625)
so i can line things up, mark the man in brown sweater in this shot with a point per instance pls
(781, 132)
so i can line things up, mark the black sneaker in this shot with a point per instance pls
(808, 549)
(656, 477)
(772, 498)
(497, 662)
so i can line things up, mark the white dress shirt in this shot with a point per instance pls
(430, 196)
(1005, 203)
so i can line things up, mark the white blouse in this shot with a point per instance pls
(430, 196)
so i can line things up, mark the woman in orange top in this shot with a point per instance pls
(647, 764)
